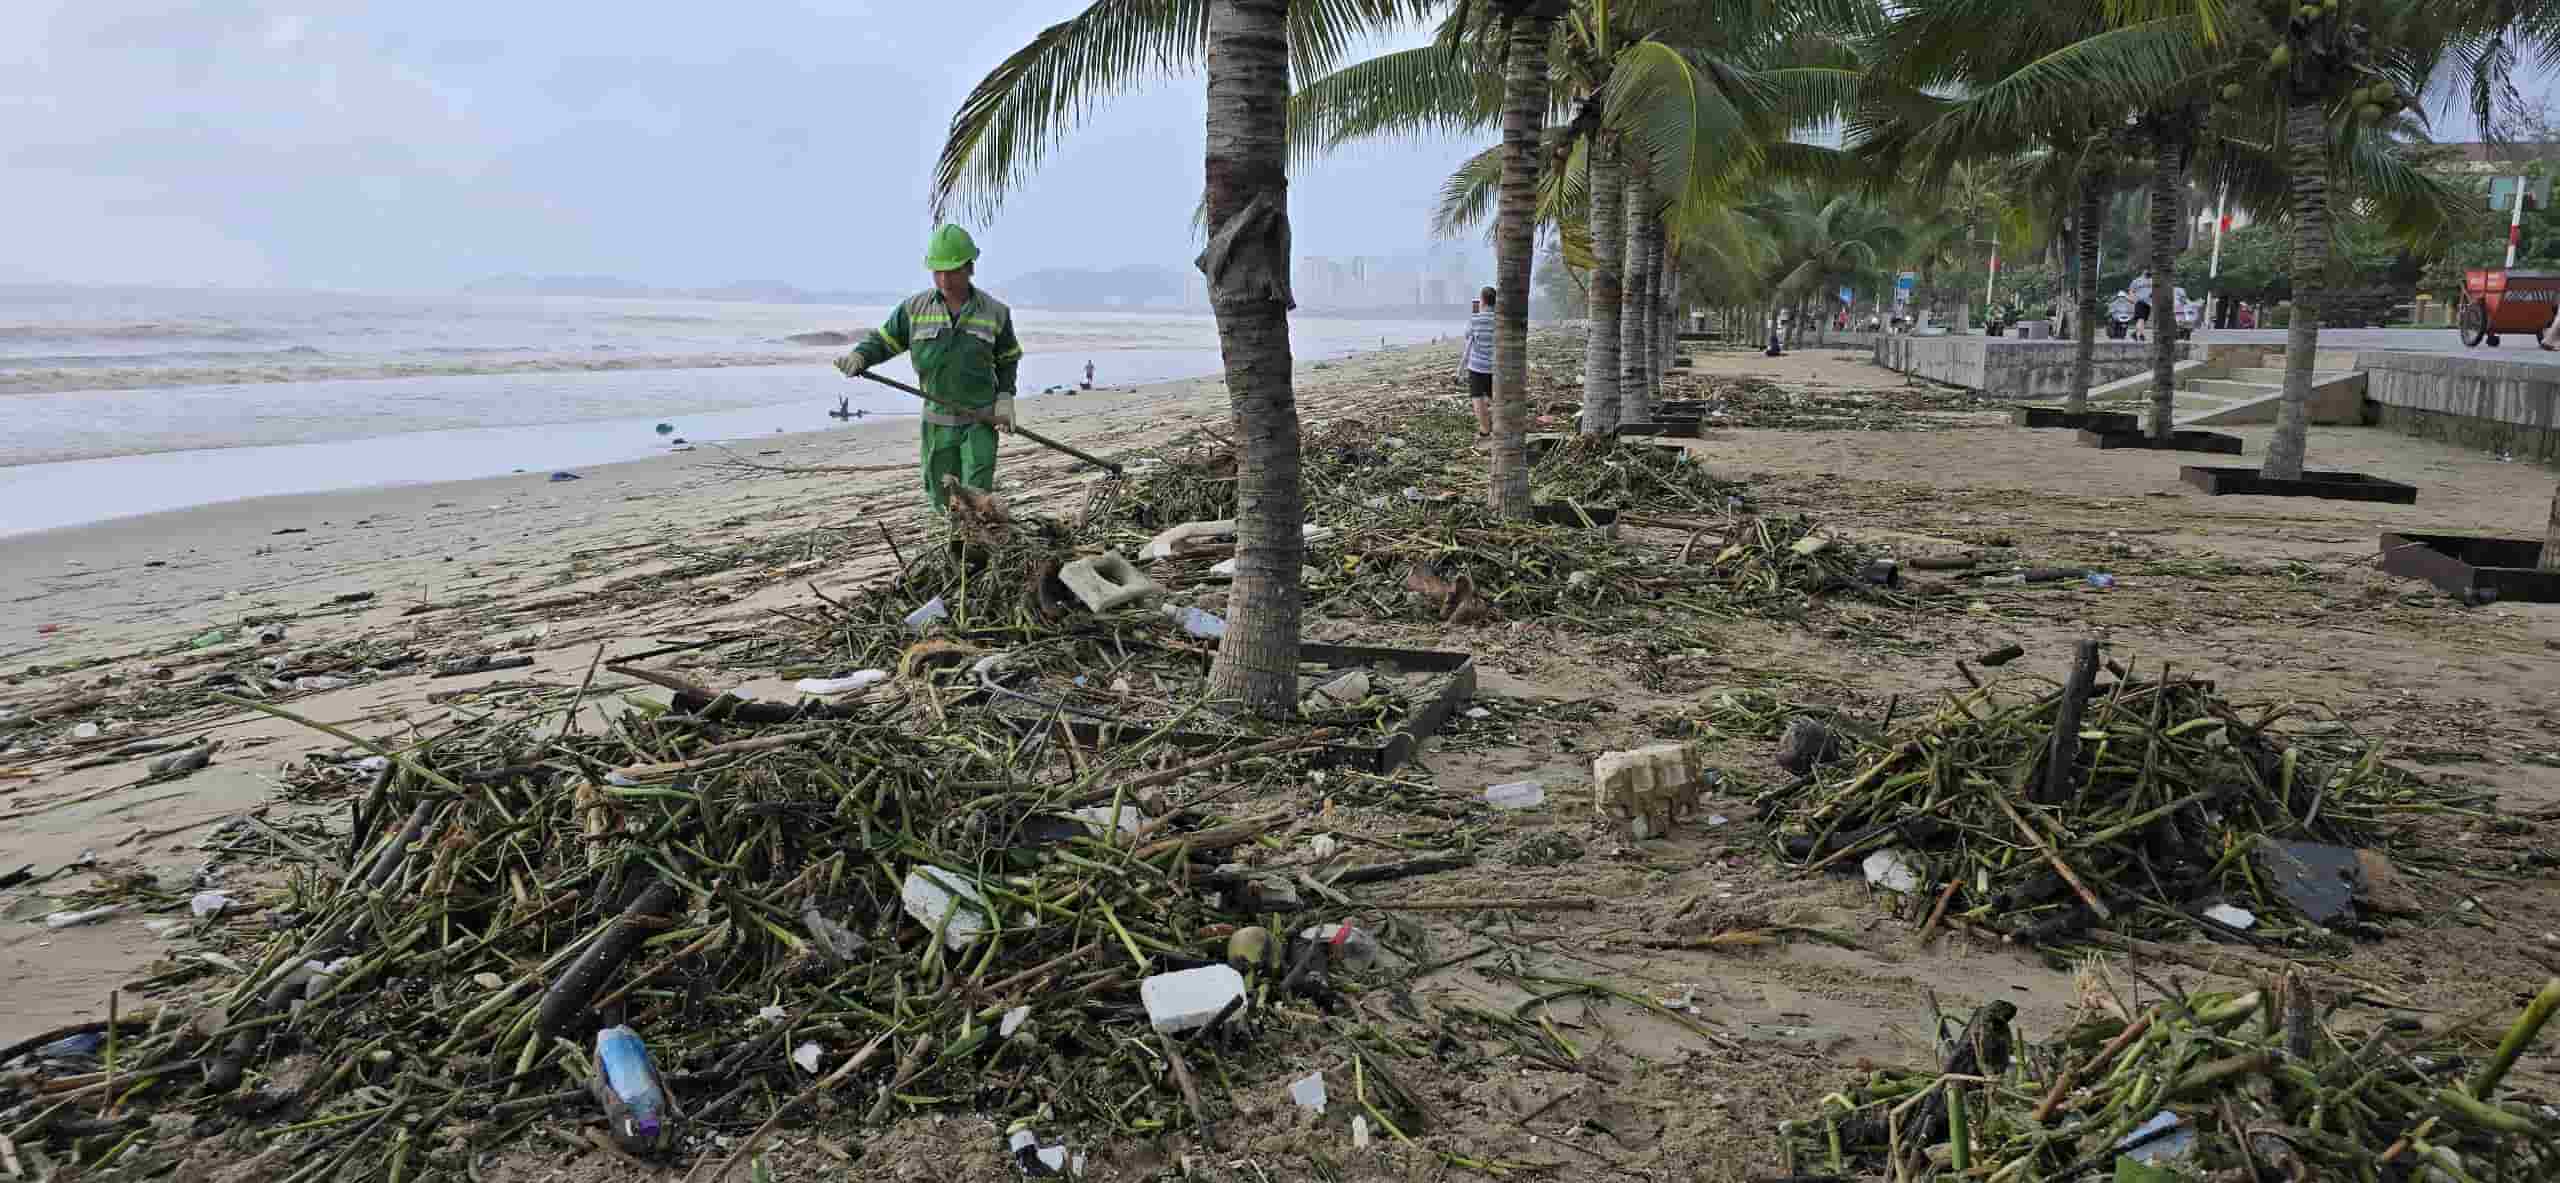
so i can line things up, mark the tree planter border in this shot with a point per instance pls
(2329, 486)
(2055, 417)
(1667, 427)
(1382, 757)
(1683, 408)
(2468, 565)
(2178, 441)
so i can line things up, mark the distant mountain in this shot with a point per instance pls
(757, 291)
(1139, 285)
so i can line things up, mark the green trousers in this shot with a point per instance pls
(967, 452)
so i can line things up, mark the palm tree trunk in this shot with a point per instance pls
(1524, 115)
(1667, 342)
(1671, 319)
(2307, 142)
(1657, 339)
(2551, 536)
(1600, 362)
(2164, 285)
(1247, 269)
(2084, 322)
(1634, 403)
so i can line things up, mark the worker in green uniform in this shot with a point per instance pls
(966, 355)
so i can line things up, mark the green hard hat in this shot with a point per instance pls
(950, 249)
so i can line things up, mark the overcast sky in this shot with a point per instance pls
(420, 145)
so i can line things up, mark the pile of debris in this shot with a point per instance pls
(723, 906)
(2257, 1085)
(1757, 402)
(2145, 807)
(1630, 473)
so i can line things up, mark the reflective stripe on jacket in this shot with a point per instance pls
(968, 359)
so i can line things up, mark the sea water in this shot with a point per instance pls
(125, 401)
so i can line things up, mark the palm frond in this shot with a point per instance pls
(1426, 91)
(2212, 18)
(1029, 103)
(2122, 69)
(1468, 195)
(1679, 110)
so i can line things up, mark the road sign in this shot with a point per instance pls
(2502, 193)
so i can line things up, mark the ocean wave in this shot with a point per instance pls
(149, 330)
(821, 337)
(61, 381)
(49, 361)
(662, 318)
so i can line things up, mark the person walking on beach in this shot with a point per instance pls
(1475, 362)
(965, 354)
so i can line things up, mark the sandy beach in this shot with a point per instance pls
(554, 570)
(2277, 600)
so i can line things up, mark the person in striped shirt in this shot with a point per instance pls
(1475, 364)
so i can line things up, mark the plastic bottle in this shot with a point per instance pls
(1196, 622)
(633, 1094)
(1354, 949)
(2101, 580)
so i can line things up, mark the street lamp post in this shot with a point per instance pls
(2213, 270)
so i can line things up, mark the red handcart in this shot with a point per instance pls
(2501, 301)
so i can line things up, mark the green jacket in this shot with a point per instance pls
(969, 361)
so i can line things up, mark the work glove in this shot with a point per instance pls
(853, 364)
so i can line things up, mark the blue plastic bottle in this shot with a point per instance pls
(639, 1112)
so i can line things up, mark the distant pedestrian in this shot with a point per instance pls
(1475, 362)
(1088, 375)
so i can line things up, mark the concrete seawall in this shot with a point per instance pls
(2494, 406)
(2002, 367)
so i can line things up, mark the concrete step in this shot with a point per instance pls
(2274, 375)
(2228, 388)
(2326, 359)
(2339, 399)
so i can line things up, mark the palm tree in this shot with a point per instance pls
(1670, 94)
(1027, 103)
(1602, 351)
(2318, 63)
(1821, 241)
(1530, 24)
(1971, 80)
(1635, 337)
(2169, 129)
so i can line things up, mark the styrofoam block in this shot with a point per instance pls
(931, 894)
(1189, 998)
(1107, 582)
